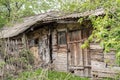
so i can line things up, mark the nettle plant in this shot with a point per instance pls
(107, 32)
(106, 28)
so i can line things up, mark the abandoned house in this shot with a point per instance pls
(56, 38)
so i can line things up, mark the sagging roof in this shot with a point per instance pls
(27, 22)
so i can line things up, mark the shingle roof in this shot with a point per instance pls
(44, 17)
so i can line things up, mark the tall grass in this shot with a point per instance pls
(45, 74)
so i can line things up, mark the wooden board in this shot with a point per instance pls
(99, 70)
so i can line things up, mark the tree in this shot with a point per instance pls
(12, 10)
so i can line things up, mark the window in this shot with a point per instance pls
(33, 42)
(61, 38)
(75, 35)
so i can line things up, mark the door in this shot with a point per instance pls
(33, 45)
(44, 49)
(78, 58)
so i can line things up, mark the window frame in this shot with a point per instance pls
(65, 36)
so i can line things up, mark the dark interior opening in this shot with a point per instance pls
(36, 41)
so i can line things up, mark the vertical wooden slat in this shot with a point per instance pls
(81, 56)
(72, 55)
(13, 45)
(68, 51)
(24, 41)
(86, 56)
(80, 49)
(69, 54)
(75, 54)
(16, 42)
(12, 48)
(8, 46)
(89, 63)
(78, 54)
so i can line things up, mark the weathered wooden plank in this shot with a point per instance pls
(105, 72)
(97, 56)
(81, 55)
(86, 72)
(95, 46)
(79, 73)
(75, 52)
(78, 54)
(100, 70)
(76, 68)
(60, 61)
(97, 64)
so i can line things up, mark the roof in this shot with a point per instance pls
(27, 22)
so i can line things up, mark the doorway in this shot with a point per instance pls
(78, 59)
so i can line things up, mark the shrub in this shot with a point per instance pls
(28, 56)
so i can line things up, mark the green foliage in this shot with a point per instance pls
(2, 21)
(27, 56)
(12, 10)
(40, 74)
(107, 32)
(2, 63)
(23, 60)
(79, 5)
(80, 20)
(117, 77)
(106, 28)
(16, 63)
(85, 45)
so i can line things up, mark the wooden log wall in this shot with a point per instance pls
(102, 63)
(59, 52)
(97, 54)
(38, 42)
(13, 46)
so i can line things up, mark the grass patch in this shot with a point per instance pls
(45, 74)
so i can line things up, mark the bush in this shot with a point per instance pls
(28, 56)
(13, 64)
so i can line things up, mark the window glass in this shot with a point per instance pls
(61, 38)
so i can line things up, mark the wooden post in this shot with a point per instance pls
(50, 44)
(68, 51)
(24, 41)
(16, 44)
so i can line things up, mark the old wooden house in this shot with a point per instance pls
(56, 38)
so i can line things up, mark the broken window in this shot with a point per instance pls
(33, 42)
(61, 38)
